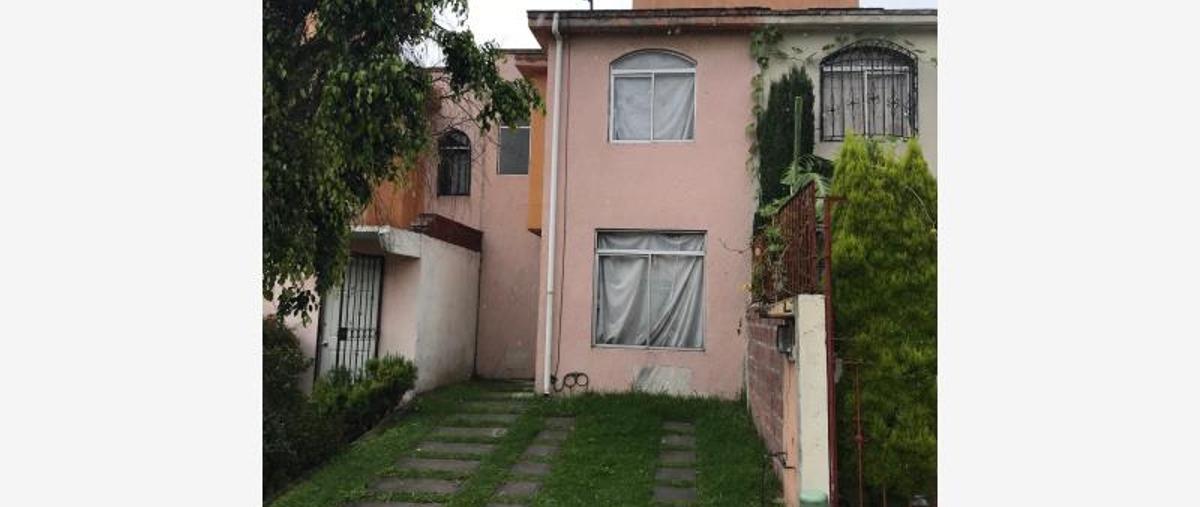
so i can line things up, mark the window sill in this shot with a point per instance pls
(642, 347)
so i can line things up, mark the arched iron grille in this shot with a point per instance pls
(870, 88)
(454, 164)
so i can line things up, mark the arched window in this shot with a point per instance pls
(454, 164)
(653, 97)
(870, 88)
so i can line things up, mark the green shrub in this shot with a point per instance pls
(885, 302)
(359, 405)
(300, 433)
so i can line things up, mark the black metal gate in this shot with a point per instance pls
(357, 315)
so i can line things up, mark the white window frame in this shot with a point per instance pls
(651, 72)
(649, 254)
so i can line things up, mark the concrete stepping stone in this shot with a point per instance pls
(531, 468)
(493, 407)
(560, 423)
(504, 505)
(403, 485)
(677, 457)
(455, 448)
(519, 488)
(685, 441)
(675, 475)
(540, 451)
(449, 431)
(440, 465)
(669, 494)
(551, 436)
(679, 427)
(485, 418)
(394, 504)
(507, 395)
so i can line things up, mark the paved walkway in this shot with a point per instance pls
(438, 467)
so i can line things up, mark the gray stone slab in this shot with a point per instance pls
(675, 474)
(493, 407)
(507, 395)
(552, 435)
(485, 418)
(531, 468)
(560, 423)
(678, 457)
(504, 505)
(519, 488)
(441, 465)
(668, 494)
(540, 451)
(455, 448)
(394, 504)
(685, 441)
(449, 431)
(403, 485)
(679, 427)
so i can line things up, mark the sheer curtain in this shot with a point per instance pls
(653, 97)
(648, 294)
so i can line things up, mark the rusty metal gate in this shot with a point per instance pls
(350, 317)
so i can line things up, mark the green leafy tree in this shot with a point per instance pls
(885, 299)
(347, 105)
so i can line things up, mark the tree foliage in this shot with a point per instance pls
(346, 106)
(775, 132)
(885, 299)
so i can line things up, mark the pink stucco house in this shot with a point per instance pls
(607, 242)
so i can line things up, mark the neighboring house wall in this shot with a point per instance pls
(694, 185)
(812, 39)
(449, 281)
(771, 4)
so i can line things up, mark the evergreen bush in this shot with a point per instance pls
(885, 303)
(775, 131)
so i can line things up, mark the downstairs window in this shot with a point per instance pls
(649, 289)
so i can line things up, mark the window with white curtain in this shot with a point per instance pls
(868, 88)
(653, 97)
(649, 289)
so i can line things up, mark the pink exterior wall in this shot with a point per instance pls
(509, 255)
(307, 335)
(697, 185)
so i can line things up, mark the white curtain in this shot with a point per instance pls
(621, 310)
(631, 108)
(647, 296)
(674, 105)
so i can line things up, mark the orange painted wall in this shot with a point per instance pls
(394, 204)
(537, 158)
(772, 4)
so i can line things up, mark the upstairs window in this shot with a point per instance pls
(514, 149)
(869, 88)
(653, 97)
(454, 164)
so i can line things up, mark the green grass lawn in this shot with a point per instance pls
(609, 458)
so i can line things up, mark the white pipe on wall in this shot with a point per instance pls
(553, 206)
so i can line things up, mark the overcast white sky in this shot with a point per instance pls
(504, 21)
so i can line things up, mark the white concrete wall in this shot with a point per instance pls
(398, 318)
(447, 311)
(810, 40)
(812, 406)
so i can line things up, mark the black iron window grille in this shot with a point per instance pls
(454, 164)
(869, 88)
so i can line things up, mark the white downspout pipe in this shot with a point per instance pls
(556, 105)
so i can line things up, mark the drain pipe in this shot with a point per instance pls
(553, 206)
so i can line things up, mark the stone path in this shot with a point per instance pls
(675, 478)
(451, 453)
(526, 476)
